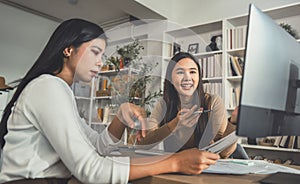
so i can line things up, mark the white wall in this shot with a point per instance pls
(23, 35)
(194, 12)
(22, 38)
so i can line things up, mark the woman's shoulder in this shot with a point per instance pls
(211, 96)
(214, 98)
(49, 81)
(45, 84)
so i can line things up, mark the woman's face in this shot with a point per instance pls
(185, 77)
(86, 60)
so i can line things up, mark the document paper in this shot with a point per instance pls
(221, 144)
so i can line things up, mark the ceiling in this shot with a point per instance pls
(107, 13)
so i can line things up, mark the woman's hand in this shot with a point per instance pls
(129, 114)
(193, 161)
(187, 118)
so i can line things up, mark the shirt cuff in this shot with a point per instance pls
(107, 139)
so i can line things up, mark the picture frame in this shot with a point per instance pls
(176, 48)
(215, 43)
(193, 48)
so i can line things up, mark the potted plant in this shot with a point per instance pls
(128, 54)
(289, 29)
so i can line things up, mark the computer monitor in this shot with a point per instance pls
(270, 98)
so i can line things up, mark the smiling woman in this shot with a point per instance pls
(173, 120)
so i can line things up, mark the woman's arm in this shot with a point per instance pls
(191, 161)
(184, 121)
(125, 117)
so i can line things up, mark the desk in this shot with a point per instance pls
(202, 178)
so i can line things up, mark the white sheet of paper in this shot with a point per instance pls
(239, 166)
(221, 144)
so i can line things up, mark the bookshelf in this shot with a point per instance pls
(218, 76)
(211, 61)
(273, 153)
(233, 31)
(288, 15)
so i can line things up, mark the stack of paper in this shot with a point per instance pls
(239, 166)
(222, 144)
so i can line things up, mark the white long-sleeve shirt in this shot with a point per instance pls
(47, 138)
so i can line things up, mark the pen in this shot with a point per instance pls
(134, 131)
(199, 112)
(203, 111)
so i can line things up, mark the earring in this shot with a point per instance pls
(66, 55)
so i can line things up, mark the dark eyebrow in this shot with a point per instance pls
(189, 68)
(179, 69)
(93, 46)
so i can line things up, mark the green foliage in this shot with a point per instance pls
(133, 89)
(114, 61)
(128, 53)
(289, 29)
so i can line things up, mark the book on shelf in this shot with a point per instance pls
(291, 142)
(236, 65)
(277, 141)
(239, 62)
(236, 37)
(283, 141)
(213, 88)
(211, 66)
(229, 70)
(234, 96)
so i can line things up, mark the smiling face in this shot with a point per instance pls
(185, 77)
(84, 62)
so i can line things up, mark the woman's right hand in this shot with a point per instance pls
(193, 161)
(187, 118)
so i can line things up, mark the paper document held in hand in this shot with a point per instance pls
(221, 144)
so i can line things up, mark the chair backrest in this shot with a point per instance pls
(239, 153)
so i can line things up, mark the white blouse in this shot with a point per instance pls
(47, 138)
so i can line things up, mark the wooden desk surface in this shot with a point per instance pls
(203, 178)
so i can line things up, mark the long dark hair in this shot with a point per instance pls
(171, 96)
(71, 32)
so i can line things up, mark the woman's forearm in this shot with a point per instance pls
(191, 161)
(155, 136)
(116, 128)
(149, 166)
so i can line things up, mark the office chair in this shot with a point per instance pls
(239, 153)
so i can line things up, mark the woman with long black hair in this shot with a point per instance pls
(186, 117)
(43, 138)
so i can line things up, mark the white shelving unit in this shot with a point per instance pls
(159, 42)
(234, 47)
(273, 153)
(213, 77)
(290, 15)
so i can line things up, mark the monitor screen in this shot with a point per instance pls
(270, 98)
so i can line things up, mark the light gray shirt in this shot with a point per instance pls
(47, 138)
